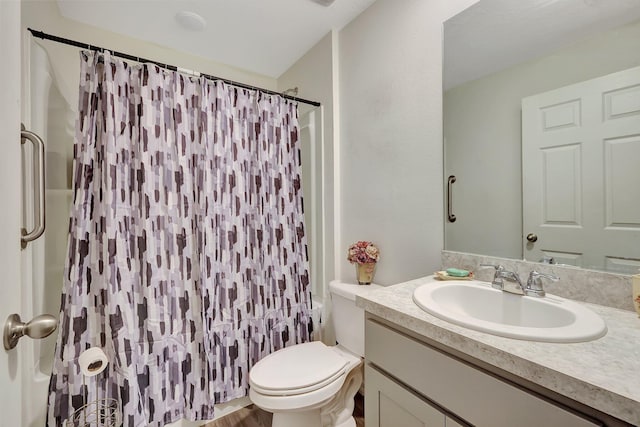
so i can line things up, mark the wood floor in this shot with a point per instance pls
(252, 416)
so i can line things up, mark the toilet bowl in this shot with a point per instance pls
(312, 384)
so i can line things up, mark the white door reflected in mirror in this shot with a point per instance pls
(580, 175)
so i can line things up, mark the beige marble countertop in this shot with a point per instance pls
(603, 374)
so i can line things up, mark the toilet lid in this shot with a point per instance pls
(304, 366)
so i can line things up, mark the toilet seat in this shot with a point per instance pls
(298, 369)
(305, 385)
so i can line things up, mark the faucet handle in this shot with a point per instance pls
(497, 282)
(534, 284)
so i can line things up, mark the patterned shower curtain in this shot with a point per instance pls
(187, 254)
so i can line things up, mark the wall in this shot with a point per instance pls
(453, 7)
(388, 135)
(313, 76)
(319, 75)
(482, 131)
(391, 138)
(44, 15)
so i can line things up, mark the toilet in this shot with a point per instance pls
(311, 384)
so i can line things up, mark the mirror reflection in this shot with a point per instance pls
(542, 131)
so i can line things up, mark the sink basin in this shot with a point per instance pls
(476, 305)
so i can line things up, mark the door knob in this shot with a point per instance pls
(532, 237)
(39, 327)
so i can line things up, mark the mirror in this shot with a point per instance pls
(501, 55)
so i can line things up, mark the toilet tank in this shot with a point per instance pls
(348, 320)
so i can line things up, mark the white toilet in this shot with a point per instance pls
(311, 384)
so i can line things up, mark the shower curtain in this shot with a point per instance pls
(187, 254)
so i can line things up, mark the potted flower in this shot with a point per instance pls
(364, 255)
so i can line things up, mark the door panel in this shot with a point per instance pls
(622, 176)
(580, 146)
(561, 190)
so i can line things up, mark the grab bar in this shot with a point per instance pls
(38, 168)
(450, 215)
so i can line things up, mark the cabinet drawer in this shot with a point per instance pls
(471, 394)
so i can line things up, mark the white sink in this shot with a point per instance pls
(476, 305)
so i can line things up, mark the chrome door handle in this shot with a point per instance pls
(532, 237)
(37, 328)
(38, 167)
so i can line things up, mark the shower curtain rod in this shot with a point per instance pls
(81, 45)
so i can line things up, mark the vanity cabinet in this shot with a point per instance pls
(409, 382)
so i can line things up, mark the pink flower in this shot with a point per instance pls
(372, 252)
(363, 252)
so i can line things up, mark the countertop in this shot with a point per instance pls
(603, 374)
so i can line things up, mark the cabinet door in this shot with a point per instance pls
(388, 404)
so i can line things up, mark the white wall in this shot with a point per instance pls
(482, 131)
(313, 76)
(415, 70)
(453, 7)
(44, 15)
(391, 137)
(381, 97)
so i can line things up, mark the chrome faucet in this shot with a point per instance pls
(533, 288)
(534, 284)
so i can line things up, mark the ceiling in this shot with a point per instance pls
(262, 36)
(493, 35)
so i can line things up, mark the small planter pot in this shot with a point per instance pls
(365, 273)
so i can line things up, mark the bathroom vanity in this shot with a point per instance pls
(424, 371)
